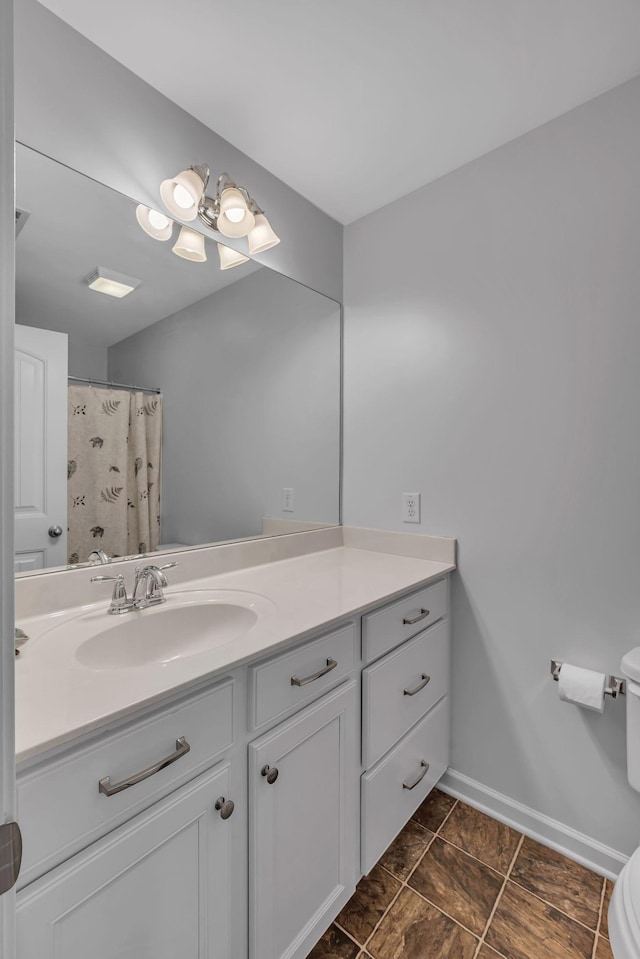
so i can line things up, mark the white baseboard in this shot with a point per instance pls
(571, 843)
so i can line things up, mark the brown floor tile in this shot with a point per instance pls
(457, 884)
(481, 836)
(406, 849)
(414, 929)
(523, 927)
(368, 903)
(486, 952)
(604, 949)
(604, 922)
(334, 945)
(434, 810)
(565, 884)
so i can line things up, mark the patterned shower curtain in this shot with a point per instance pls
(115, 443)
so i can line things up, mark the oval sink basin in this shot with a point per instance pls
(186, 625)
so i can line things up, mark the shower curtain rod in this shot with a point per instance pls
(114, 386)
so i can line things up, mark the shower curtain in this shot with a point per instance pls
(113, 471)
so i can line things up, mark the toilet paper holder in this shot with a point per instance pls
(617, 686)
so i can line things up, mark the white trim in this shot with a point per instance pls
(571, 843)
(7, 301)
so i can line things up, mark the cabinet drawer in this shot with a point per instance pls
(390, 626)
(280, 685)
(399, 689)
(387, 803)
(60, 807)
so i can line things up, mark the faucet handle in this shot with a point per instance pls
(168, 566)
(120, 602)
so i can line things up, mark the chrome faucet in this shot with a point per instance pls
(149, 579)
(100, 555)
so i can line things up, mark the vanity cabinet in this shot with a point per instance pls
(303, 828)
(405, 713)
(156, 887)
(326, 748)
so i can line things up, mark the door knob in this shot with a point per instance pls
(270, 774)
(55, 531)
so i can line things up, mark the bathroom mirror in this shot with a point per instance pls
(231, 427)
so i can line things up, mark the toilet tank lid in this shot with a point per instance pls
(630, 664)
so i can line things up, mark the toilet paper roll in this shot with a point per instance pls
(584, 687)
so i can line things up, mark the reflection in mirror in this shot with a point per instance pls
(199, 405)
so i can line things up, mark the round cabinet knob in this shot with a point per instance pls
(225, 807)
(270, 774)
(55, 531)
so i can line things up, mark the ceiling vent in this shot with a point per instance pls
(110, 282)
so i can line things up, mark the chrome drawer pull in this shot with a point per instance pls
(411, 692)
(331, 664)
(105, 787)
(420, 776)
(416, 619)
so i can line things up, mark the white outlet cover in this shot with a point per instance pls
(411, 507)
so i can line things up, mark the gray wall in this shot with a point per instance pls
(86, 359)
(492, 362)
(251, 387)
(83, 108)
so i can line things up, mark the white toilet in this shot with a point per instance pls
(624, 911)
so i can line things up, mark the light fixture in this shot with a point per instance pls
(155, 224)
(190, 246)
(108, 281)
(262, 236)
(182, 194)
(230, 211)
(234, 217)
(230, 258)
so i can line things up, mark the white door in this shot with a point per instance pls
(40, 465)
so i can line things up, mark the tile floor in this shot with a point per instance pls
(457, 884)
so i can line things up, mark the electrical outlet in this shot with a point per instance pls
(411, 507)
(287, 500)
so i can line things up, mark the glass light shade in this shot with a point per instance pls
(182, 194)
(190, 246)
(111, 287)
(155, 224)
(262, 236)
(230, 258)
(235, 219)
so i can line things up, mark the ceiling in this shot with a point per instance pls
(76, 224)
(354, 103)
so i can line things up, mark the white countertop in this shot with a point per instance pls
(58, 699)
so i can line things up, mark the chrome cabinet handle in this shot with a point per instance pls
(225, 807)
(331, 664)
(270, 774)
(55, 531)
(107, 789)
(411, 692)
(419, 777)
(416, 619)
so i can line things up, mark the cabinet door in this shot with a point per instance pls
(303, 826)
(156, 888)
